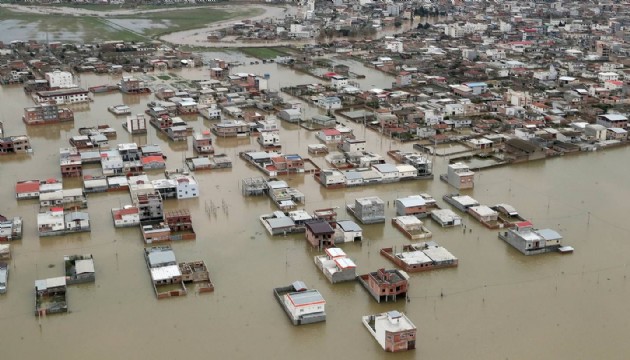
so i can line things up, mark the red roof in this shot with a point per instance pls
(153, 158)
(27, 186)
(128, 211)
(331, 132)
(524, 223)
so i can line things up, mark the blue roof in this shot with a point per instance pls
(476, 84)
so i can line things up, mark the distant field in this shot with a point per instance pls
(71, 28)
(17, 25)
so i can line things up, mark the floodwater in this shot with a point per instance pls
(497, 304)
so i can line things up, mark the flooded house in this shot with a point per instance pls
(286, 198)
(150, 206)
(329, 136)
(70, 163)
(460, 202)
(50, 296)
(55, 222)
(459, 176)
(331, 178)
(186, 186)
(368, 210)
(4, 277)
(290, 115)
(14, 145)
(62, 96)
(5, 251)
(335, 265)
(421, 257)
(27, 189)
(392, 330)
(127, 216)
(136, 124)
(446, 217)
(79, 269)
(132, 85)
(155, 233)
(508, 215)
(319, 233)
(412, 227)
(269, 139)
(180, 223)
(196, 272)
(202, 142)
(68, 199)
(486, 216)
(280, 223)
(415, 205)
(166, 276)
(46, 114)
(119, 109)
(153, 162)
(385, 285)
(220, 161)
(10, 229)
(231, 128)
(303, 306)
(347, 231)
(529, 240)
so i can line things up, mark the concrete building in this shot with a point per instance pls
(14, 145)
(59, 79)
(421, 257)
(46, 114)
(446, 217)
(347, 231)
(392, 330)
(50, 296)
(319, 233)
(79, 269)
(412, 205)
(612, 121)
(385, 285)
(128, 216)
(524, 238)
(150, 206)
(335, 265)
(459, 176)
(166, 276)
(368, 210)
(303, 306)
(62, 96)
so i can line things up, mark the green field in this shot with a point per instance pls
(96, 28)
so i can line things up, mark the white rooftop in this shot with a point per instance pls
(165, 272)
(465, 200)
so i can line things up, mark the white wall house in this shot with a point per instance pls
(60, 79)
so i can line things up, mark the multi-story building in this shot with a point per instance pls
(392, 330)
(46, 113)
(14, 144)
(385, 285)
(62, 96)
(59, 79)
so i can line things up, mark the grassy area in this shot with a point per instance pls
(163, 77)
(94, 28)
(189, 19)
(264, 52)
(74, 28)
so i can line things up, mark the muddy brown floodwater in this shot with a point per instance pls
(498, 304)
